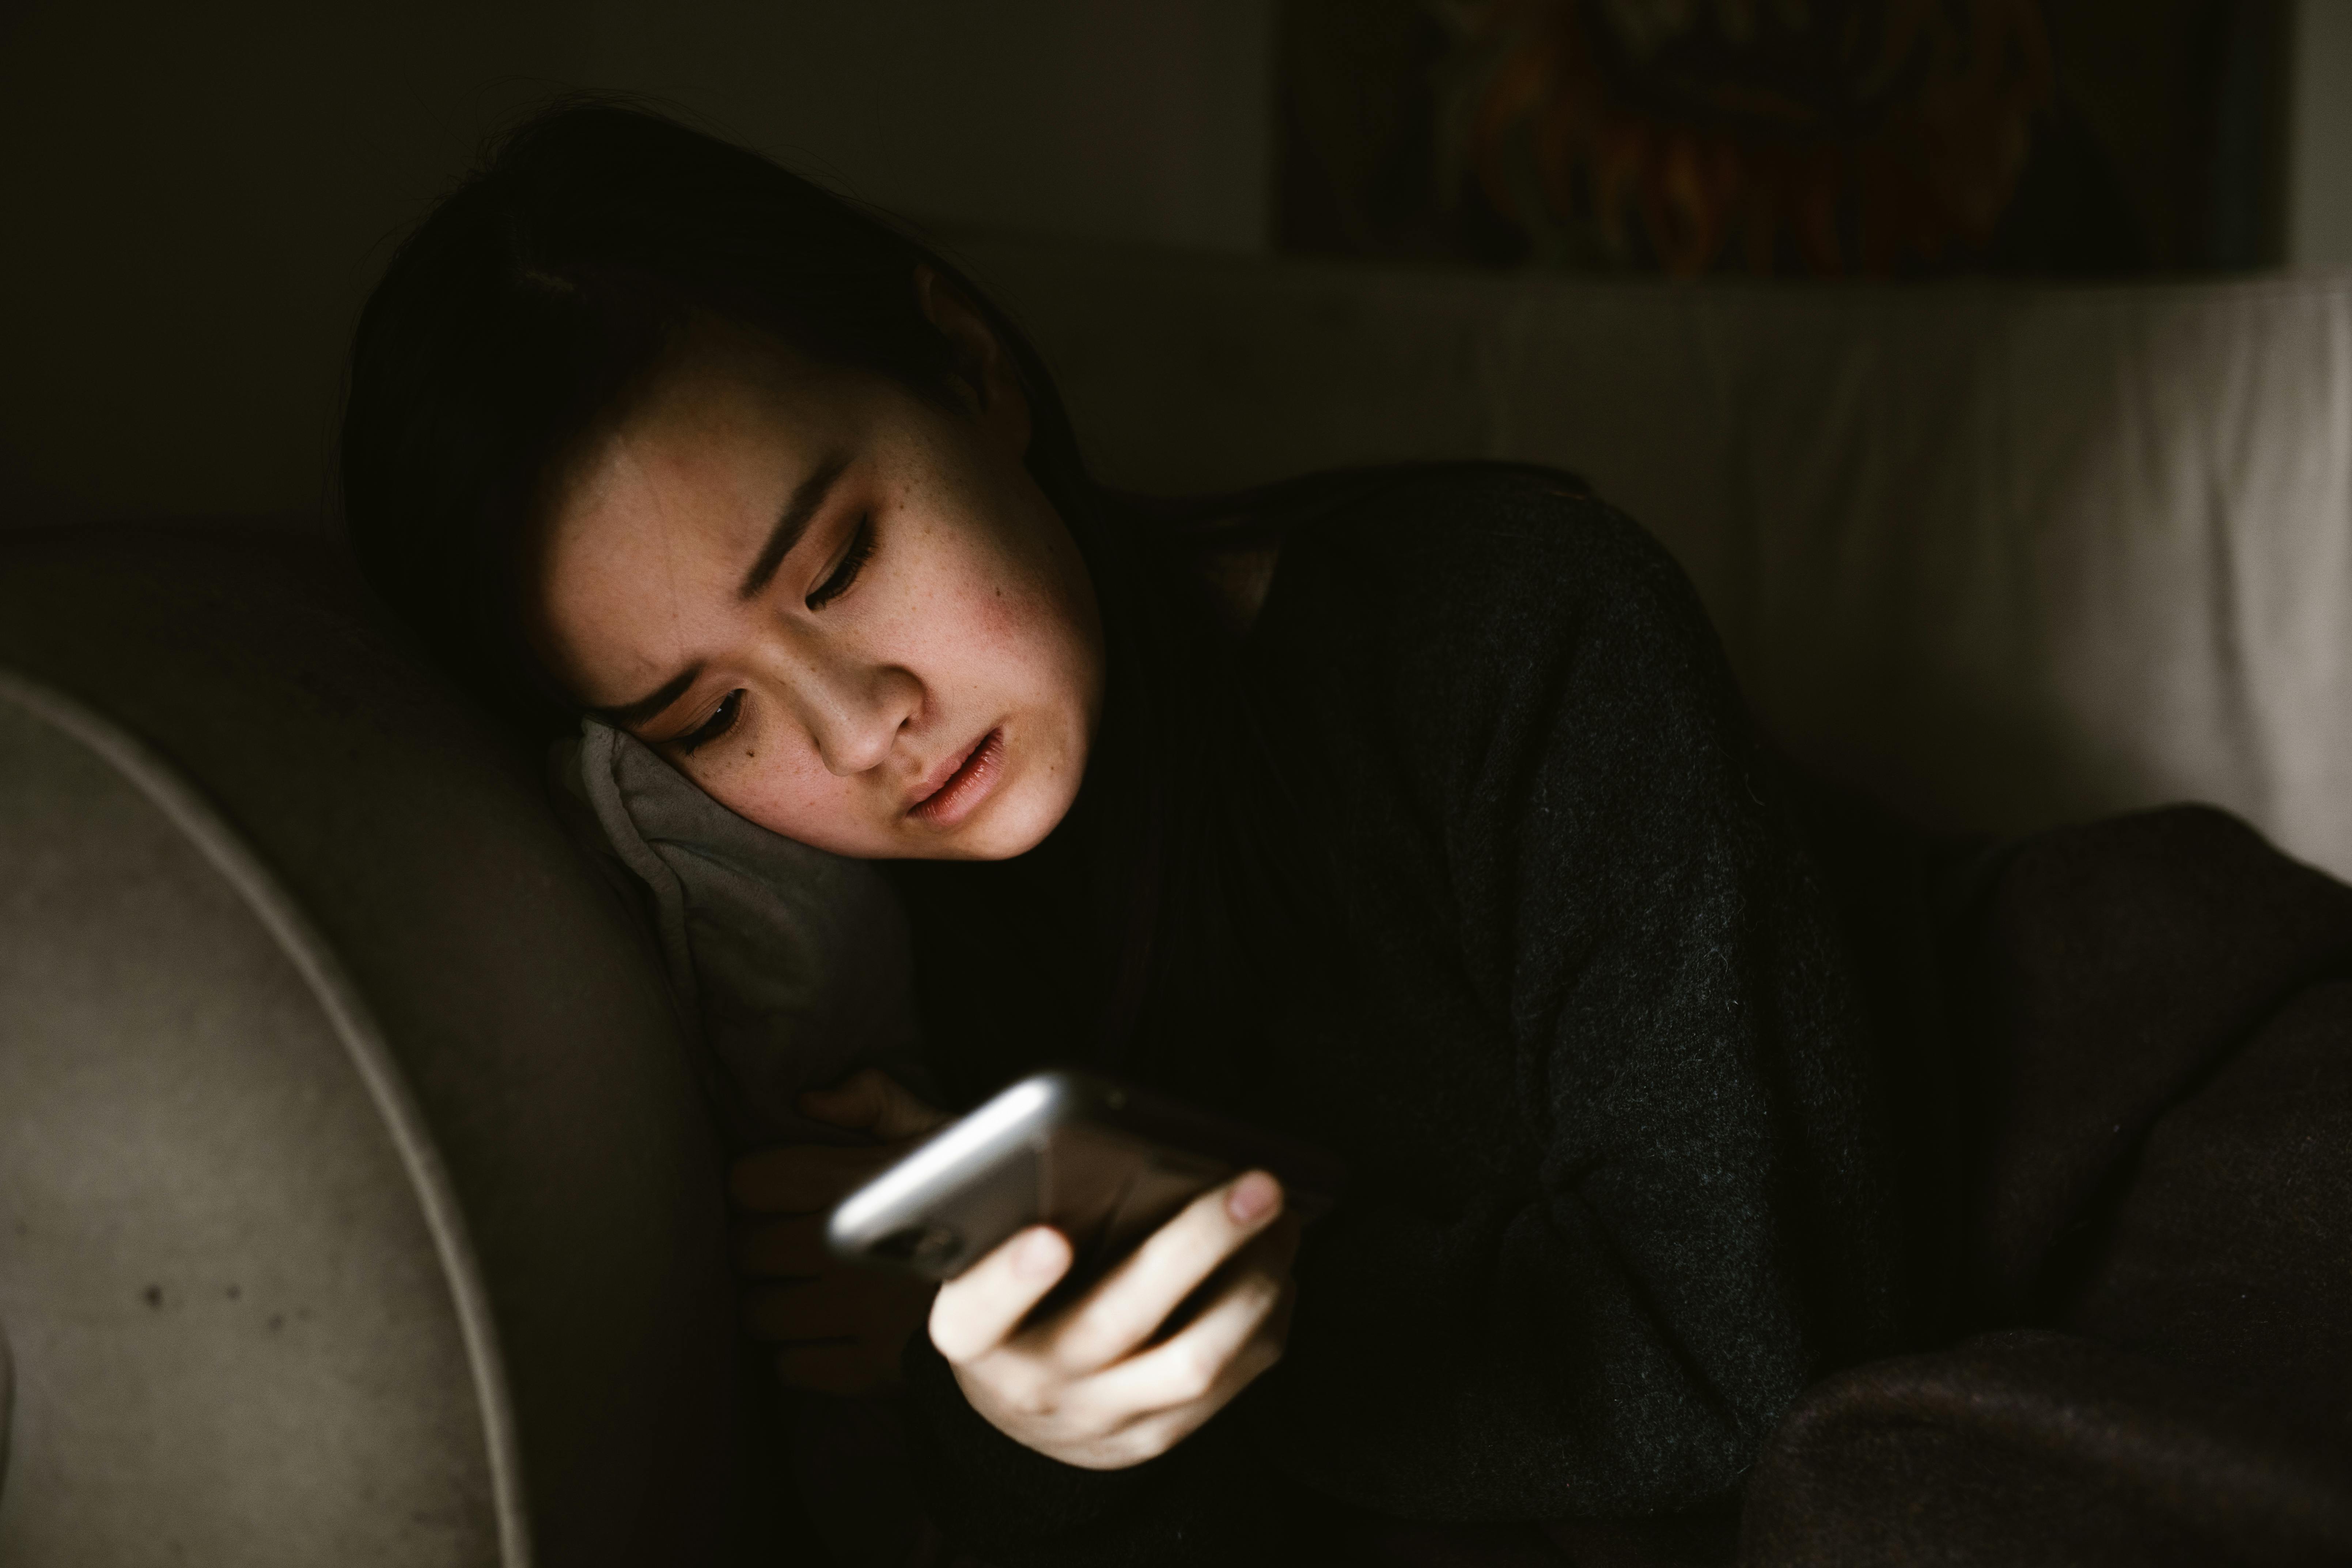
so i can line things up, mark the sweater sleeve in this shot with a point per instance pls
(1684, 1215)
(1211, 1500)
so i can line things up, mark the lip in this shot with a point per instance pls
(944, 800)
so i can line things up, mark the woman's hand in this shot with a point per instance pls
(1102, 1383)
(838, 1327)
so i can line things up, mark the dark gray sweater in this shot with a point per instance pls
(1577, 1014)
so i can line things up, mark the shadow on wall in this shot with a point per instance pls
(200, 196)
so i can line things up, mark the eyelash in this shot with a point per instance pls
(861, 551)
(721, 719)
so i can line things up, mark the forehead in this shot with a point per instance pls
(655, 519)
(726, 414)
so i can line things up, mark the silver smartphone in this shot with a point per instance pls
(1104, 1162)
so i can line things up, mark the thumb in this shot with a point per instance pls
(871, 1102)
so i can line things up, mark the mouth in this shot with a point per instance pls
(948, 801)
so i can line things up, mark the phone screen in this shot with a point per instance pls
(1106, 1163)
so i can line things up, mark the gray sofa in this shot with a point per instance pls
(2004, 555)
(356, 1204)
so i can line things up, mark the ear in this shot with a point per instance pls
(990, 383)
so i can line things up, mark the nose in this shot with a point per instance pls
(854, 711)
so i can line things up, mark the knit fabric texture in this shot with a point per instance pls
(1583, 1027)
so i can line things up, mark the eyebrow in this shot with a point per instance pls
(629, 715)
(807, 497)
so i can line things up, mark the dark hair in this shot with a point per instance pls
(543, 292)
(538, 298)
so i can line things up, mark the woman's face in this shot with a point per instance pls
(845, 611)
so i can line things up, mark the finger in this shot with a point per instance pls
(871, 1102)
(838, 1367)
(867, 1303)
(808, 1310)
(980, 1309)
(1237, 1336)
(793, 1248)
(804, 1178)
(1154, 1435)
(1132, 1301)
(1151, 1432)
(856, 1101)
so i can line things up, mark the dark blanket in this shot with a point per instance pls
(2155, 1091)
(2147, 1094)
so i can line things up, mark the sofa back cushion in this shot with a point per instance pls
(358, 1203)
(2004, 555)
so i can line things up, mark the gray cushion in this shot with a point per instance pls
(793, 965)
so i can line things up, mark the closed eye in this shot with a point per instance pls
(861, 550)
(722, 718)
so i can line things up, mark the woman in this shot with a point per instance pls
(1413, 812)
(1455, 860)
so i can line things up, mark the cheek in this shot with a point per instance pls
(776, 780)
(1007, 624)
(1015, 623)
(969, 625)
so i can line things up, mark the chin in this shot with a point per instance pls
(1018, 820)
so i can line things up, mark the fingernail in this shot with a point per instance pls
(1252, 1198)
(1039, 1254)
